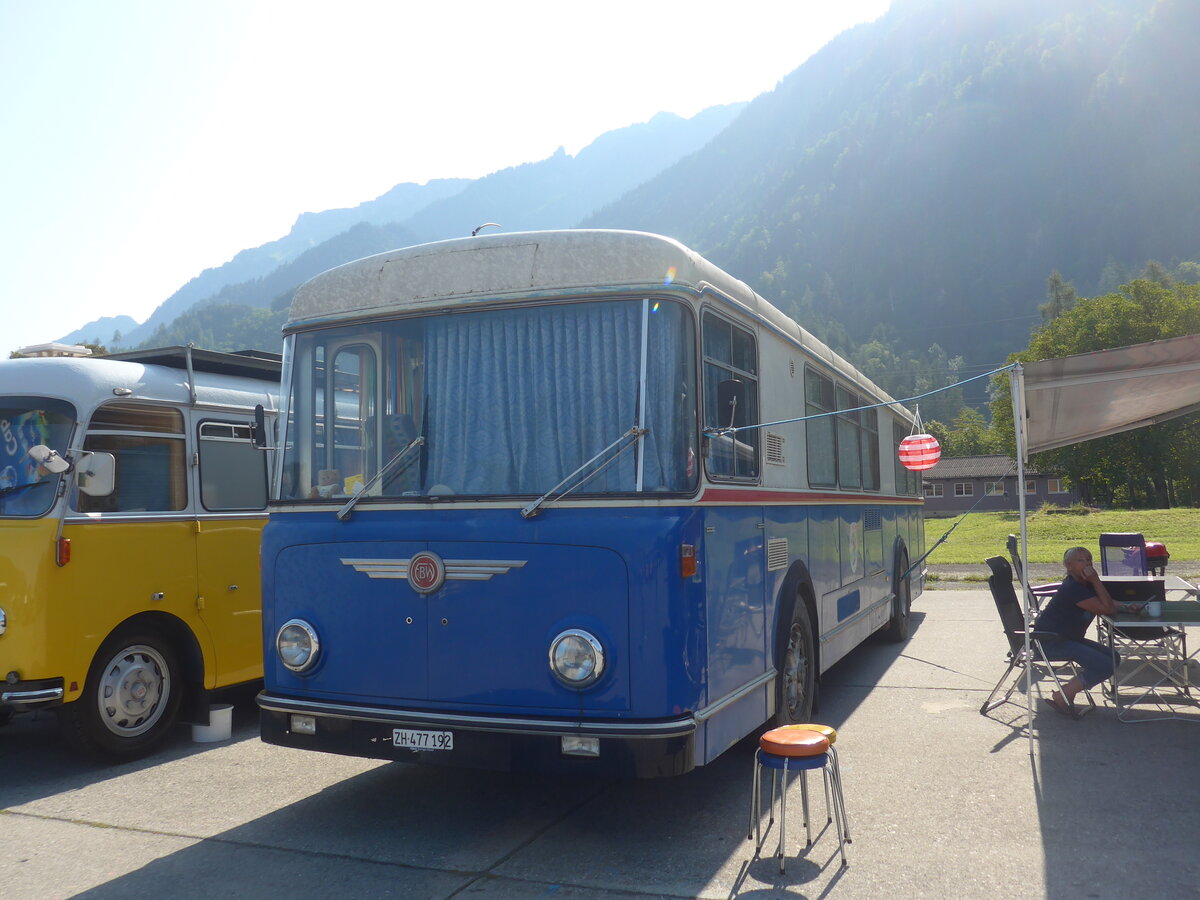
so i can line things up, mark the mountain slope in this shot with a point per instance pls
(928, 171)
(559, 191)
(552, 193)
(310, 230)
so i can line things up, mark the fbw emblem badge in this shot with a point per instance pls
(426, 572)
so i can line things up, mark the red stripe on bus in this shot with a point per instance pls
(752, 496)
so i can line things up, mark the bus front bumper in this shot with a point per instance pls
(642, 749)
(33, 694)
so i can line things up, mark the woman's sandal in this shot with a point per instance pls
(1063, 709)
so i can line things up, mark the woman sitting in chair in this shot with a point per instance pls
(1079, 599)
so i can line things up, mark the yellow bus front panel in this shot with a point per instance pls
(26, 569)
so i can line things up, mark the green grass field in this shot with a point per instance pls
(980, 535)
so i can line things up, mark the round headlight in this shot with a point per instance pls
(297, 645)
(576, 658)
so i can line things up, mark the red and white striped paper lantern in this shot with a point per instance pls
(919, 452)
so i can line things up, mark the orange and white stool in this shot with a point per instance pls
(797, 748)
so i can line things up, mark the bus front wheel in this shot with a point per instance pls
(130, 699)
(797, 676)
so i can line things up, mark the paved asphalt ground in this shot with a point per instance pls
(943, 803)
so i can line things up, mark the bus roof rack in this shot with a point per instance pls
(260, 364)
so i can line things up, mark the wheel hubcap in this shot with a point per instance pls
(795, 672)
(132, 691)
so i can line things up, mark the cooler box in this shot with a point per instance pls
(1156, 557)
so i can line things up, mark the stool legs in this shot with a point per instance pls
(836, 772)
(834, 800)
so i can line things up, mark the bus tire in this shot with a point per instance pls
(130, 699)
(898, 625)
(796, 685)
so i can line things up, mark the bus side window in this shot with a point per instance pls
(233, 472)
(819, 429)
(907, 481)
(151, 458)
(730, 355)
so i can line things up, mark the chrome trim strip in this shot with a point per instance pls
(77, 518)
(456, 569)
(37, 696)
(733, 696)
(853, 620)
(514, 725)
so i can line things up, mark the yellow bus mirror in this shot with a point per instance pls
(96, 473)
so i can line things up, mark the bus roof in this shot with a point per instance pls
(86, 382)
(499, 268)
(240, 363)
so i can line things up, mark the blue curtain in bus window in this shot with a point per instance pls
(518, 399)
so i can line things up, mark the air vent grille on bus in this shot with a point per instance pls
(872, 520)
(775, 449)
(777, 553)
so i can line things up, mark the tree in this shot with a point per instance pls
(970, 435)
(1060, 296)
(1146, 467)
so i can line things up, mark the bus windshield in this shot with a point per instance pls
(26, 487)
(504, 402)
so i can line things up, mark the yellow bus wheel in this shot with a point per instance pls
(130, 699)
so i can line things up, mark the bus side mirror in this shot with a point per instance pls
(260, 428)
(731, 404)
(96, 473)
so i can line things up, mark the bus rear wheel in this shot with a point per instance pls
(898, 625)
(130, 699)
(797, 676)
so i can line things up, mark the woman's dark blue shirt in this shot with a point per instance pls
(1063, 615)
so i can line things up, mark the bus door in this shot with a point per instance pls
(134, 549)
(735, 570)
(231, 500)
(735, 536)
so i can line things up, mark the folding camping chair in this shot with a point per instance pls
(1038, 593)
(1000, 582)
(1122, 553)
(1143, 647)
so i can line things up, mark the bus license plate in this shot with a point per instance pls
(423, 740)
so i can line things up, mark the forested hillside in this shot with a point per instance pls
(927, 172)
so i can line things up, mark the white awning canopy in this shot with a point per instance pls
(1091, 395)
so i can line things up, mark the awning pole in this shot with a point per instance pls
(1016, 383)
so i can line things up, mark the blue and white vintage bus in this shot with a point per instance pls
(512, 527)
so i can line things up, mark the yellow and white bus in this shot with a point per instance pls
(132, 498)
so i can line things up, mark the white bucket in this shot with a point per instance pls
(219, 727)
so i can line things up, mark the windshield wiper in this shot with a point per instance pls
(344, 512)
(5, 491)
(636, 433)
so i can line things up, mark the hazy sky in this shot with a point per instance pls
(145, 141)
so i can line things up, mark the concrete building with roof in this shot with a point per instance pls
(989, 484)
(53, 348)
